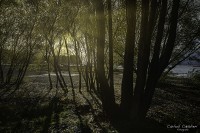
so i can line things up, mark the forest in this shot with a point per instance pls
(99, 66)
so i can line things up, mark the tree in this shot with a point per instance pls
(107, 95)
(110, 34)
(18, 43)
(127, 80)
(149, 71)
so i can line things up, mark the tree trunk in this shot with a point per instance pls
(1, 69)
(107, 96)
(148, 22)
(127, 80)
(111, 78)
(68, 65)
(78, 63)
(152, 72)
(158, 66)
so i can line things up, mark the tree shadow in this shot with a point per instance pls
(89, 108)
(52, 114)
(95, 100)
(83, 127)
(48, 118)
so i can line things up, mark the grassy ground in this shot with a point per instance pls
(35, 108)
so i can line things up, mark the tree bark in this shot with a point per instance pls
(152, 72)
(127, 80)
(110, 34)
(107, 97)
(158, 66)
(143, 60)
(167, 52)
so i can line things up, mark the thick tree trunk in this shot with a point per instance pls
(143, 60)
(107, 96)
(152, 72)
(158, 66)
(127, 80)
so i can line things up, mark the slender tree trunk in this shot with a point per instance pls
(20, 79)
(10, 71)
(111, 78)
(68, 65)
(59, 79)
(1, 68)
(58, 66)
(47, 58)
(89, 77)
(49, 75)
(78, 63)
(167, 52)
(96, 73)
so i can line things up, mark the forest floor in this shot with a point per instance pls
(34, 108)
